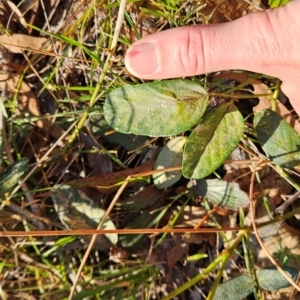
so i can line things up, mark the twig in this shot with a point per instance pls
(118, 25)
(32, 218)
(144, 230)
(209, 213)
(119, 231)
(280, 209)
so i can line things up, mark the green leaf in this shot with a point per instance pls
(10, 177)
(212, 141)
(221, 193)
(278, 139)
(77, 211)
(277, 3)
(170, 156)
(271, 279)
(69, 41)
(156, 109)
(236, 288)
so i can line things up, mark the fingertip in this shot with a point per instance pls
(167, 54)
(141, 59)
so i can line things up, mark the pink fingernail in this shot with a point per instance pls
(141, 59)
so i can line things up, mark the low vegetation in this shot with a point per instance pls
(182, 189)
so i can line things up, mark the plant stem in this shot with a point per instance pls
(223, 258)
(236, 96)
(196, 279)
(275, 95)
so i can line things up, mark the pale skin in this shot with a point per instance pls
(266, 42)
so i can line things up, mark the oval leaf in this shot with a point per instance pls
(212, 141)
(77, 211)
(170, 156)
(278, 139)
(10, 177)
(236, 288)
(221, 193)
(156, 109)
(271, 279)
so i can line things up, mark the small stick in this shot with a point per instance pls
(280, 210)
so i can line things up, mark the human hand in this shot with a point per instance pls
(264, 42)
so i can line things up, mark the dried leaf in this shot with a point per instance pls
(17, 43)
(176, 253)
(17, 14)
(107, 183)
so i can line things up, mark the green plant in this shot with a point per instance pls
(176, 106)
(181, 106)
(54, 131)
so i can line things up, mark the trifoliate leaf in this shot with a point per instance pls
(270, 279)
(212, 141)
(278, 139)
(221, 193)
(170, 156)
(156, 109)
